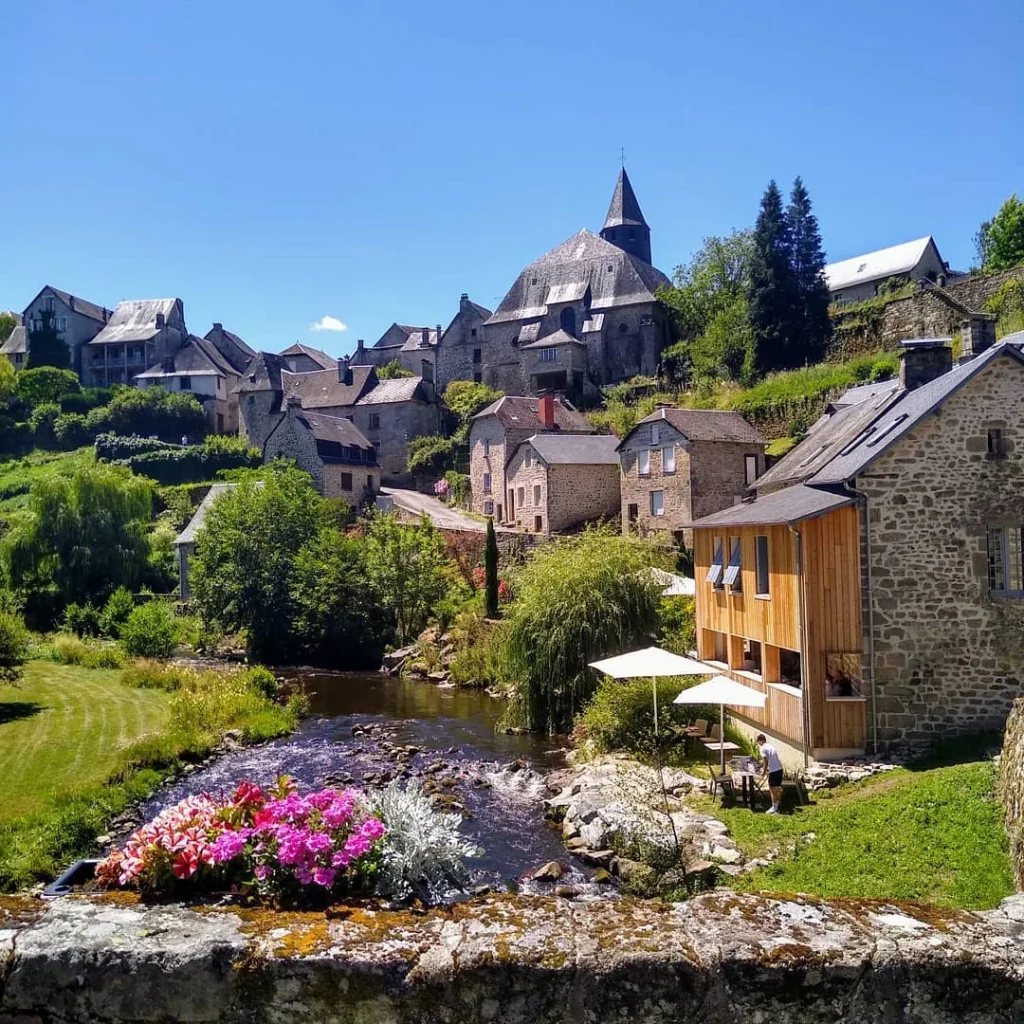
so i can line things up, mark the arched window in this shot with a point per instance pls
(623, 328)
(569, 320)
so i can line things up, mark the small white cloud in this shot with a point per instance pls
(328, 323)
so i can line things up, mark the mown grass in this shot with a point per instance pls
(933, 834)
(78, 747)
(18, 475)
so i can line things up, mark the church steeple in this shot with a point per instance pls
(625, 225)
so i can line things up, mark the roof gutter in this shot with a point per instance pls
(863, 500)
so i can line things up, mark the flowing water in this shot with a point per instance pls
(365, 730)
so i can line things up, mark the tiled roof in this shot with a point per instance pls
(790, 505)
(876, 266)
(615, 278)
(395, 389)
(263, 373)
(515, 411)
(624, 207)
(708, 425)
(231, 347)
(318, 356)
(134, 320)
(16, 343)
(415, 339)
(559, 337)
(576, 449)
(321, 389)
(197, 357)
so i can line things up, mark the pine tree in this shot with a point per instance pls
(809, 274)
(45, 345)
(491, 572)
(773, 295)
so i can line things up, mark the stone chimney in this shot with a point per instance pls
(344, 371)
(463, 302)
(922, 360)
(292, 405)
(546, 411)
(425, 337)
(160, 320)
(978, 332)
(217, 326)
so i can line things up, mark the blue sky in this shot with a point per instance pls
(272, 164)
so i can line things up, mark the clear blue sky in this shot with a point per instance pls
(274, 163)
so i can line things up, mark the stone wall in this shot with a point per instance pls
(723, 957)
(396, 423)
(948, 657)
(1011, 787)
(577, 494)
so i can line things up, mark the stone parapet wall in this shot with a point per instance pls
(1011, 787)
(722, 957)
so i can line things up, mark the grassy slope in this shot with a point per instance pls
(18, 475)
(65, 726)
(919, 835)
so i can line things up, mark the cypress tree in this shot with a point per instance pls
(773, 296)
(809, 274)
(491, 572)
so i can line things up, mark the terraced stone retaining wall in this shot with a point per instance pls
(1011, 787)
(720, 958)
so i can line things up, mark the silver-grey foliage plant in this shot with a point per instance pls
(424, 851)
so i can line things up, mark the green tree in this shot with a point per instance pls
(83, 536)
(13, 645)
(8, 321)
(242, 569)
(1000, 241)
(146, 411)
(437, 454)
(491, 571)
(406, 566)
(8, 382)
(46, 384)
(150, 631)
(334, 608)
(466, 398)
(813, 296)
(772, 292)
(576, 601)
(45, 345)
(393, 370)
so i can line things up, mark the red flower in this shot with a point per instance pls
(185, 864)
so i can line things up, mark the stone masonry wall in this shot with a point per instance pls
(948, 657)
(722, 958)
(577, 494)
(397, 422)
(636, 489)
(1011, 787)
(718, 474)
(520, 476)
(292, 441)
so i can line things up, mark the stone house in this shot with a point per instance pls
(557, 481)
(139, 334)
(342, 463)
(861, 277)
(495, 432)
(388, 412)
(306, 359)
(76, 320)
(874, 590)
(680, 464)
(15, 346)
(460, 350)
(413, 348)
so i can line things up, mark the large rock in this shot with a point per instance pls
(734, 959)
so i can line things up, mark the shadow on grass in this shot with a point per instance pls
(959, 750)
(12, 710)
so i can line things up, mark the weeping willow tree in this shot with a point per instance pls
(576, 601)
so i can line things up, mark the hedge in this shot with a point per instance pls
(113, 447)
(186, 465)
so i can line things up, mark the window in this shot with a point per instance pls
(477, 377)
(623, 328)
(521, 496)
(548, 355)
(1005, 567)
(657, 503)
(252, 378)
(477, 355)
(185, 384)
(567, 319)
(220, 423)
(536, 494)
(733, 577)
(220, 383)
(527, 459)
(668, 460)
(538, 523)
(715, 571)
(350, 418)
(49, 304)
(60, 323)
(346, 481)
(472, 332)
(376, 447)
(761, 565)
(644, 462)
(369, 483)
(487, 483)
(374, 421)
(633, 513)
(655, 432)
(488, 508)
(487, 446)
(996, 443)
(750, 469)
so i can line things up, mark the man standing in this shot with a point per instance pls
(772, 767)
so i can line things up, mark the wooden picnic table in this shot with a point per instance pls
(727, 745)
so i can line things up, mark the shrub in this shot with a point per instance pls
(70, 430)
(263, 681)
(113, 447)
(190, 464)
(82, 619)
(150, 631)
(71, 650)
(677, 624)
(85, 400)
(115, 612)
(42, 420)
(45, 384)
(13, 646)
(146, 674)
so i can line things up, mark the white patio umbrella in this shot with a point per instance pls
(722, 690)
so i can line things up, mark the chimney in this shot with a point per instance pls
(293, 405)
(978, 332)
(217, 326)
(360, 346)
(463, 301)
(344, 371)
(425, 337)
(160, 320)
(437, 336)
(546, 411)
(922, 360)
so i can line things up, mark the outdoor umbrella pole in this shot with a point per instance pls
(721, 738)
(661, 770)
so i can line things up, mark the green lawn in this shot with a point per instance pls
(933, 835)
(65, 726)
(18, 475)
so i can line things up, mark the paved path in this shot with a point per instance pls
(441, 515)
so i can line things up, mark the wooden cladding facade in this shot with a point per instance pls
(831, 607)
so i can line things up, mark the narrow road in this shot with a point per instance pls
(440, 514)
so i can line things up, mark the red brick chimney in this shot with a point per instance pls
(546, 411)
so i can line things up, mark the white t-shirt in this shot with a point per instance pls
(769, 752)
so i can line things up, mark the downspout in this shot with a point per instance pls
(803, 639)
(863, 498)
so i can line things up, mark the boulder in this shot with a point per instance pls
(549, 872)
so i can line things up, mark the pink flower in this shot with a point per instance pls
(324, 877)
(227, 846)
(318, 842)
(372, 829)
(341, 859)
(261, 871)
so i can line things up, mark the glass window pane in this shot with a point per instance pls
(996, 577)
(668, 460)
(761, 558)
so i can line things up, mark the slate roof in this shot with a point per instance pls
(559, 337)
(334, 429)
(197, 357)
(415, 339)
(395, 389)
(624, 207)
(878, 265)
(16, 343)
(321, 389)
(89, 309)
(317, 355)
(135, 320)
(615, 278)
(482, 311)
(515, 411)
(231, 347)
(195, 524)
(576, 449)
(790, 505)
(707, 425)
(263, 373)
(406, 331)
